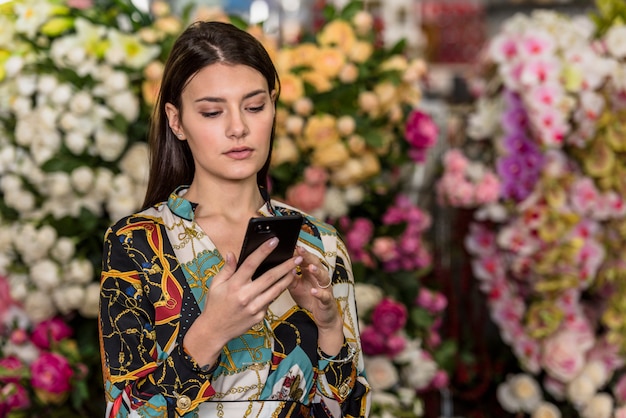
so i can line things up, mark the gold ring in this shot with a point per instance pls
(325, 286)
(298, 271)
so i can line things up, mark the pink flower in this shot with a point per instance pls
(51, 373)
(18, 336)
(373, 342)
(394, 345)
(488, 189)
(563, 357)
(305, 196)
(80, 4)
(421, 133)
(433, 302)
(389, 316)
(440, 380)
(13, 397)
(10, 369)
(455, 162)
(585, 196)
(50, 331)
(384, 248)
(315, 176)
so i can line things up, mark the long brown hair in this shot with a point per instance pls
(201, 44)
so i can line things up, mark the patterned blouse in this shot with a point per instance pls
(157, 268)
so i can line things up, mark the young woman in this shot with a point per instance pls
(183, 331)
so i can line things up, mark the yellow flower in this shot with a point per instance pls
(281, 121)
(291, 88)
(285, 151)
(361, 52)
(387, 94)
(318, 81)
(349, 73)
(337, 33)
(321, 131)
(168, 24)
(304, 55)
(349, 173)
(395, 63)
(369, 103)
(543, 318)
(346, 125)
(331, 155)
(329, 62)
(57, 25)
(600, 159)
(363, 22)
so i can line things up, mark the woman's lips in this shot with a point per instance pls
(239, 153)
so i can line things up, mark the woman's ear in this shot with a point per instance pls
(173, 119)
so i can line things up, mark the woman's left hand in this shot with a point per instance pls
(312, 290)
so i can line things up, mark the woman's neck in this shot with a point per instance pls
(235, 200)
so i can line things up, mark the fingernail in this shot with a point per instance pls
(300, 250)
(273, 242)
(313, 268)
(298, 260)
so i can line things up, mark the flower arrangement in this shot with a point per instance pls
(41, 366)
(547, 239)
(77, 83)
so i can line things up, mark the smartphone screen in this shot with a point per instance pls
(286, 228)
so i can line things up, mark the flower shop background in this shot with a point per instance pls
(486, 236)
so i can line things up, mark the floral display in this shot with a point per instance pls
(547, 239)
(78, 80)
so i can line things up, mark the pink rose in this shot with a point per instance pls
(306, 197)
(563, 358)
(80, 4)
(10, 369)
(315, 176)
(14, 397)
(421, 133)
(372, 341)
(395, 344)
(50, 331)
(384, 248)
(5, 297)
(51, 373)
(389, 316)
(488, 189)
(440, 380)
(455, 162)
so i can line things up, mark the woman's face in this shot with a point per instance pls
(227, 118)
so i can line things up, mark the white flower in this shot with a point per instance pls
(580, 390)
(82, 179)
(600, 406)
(367, 297)
(63, 249)
(13, 66)
(381, 373)
(126, 104)
(20, 200)
(45, 274)
(91, 303)
(383, 398)
(135, 162)
(616, 41)
(596, 371)
(61, 94)
(129, 50)
(31, 15)
(10, 183)
(76, 142)
(21, 106)
(27, 352)
(68, 298)
(79, 271)
(520, 392)
(39, 305)
(546, 410)
(47, 83)
(57, 184)
(103, 182)
(420, 371)
(81, 102)
(46, 237)
(110, 144)
(335, 205)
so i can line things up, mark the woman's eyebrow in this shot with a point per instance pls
(222, 100)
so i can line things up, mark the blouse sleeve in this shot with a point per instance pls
(142, 372)
(342, 377)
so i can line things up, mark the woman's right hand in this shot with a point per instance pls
(235, 302)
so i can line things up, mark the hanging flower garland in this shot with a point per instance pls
(547, 246)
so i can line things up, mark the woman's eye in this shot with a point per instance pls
(255, 109)
(210, 114)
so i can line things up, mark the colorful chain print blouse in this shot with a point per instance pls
(157, 269)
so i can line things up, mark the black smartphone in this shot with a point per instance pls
(286, 228)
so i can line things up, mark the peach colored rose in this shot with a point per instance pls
(363, 22)
(303, 106)
(387, 94)
(150, 91)
(330, 156)
(320, 131)
(160, 8)
(395, 63)
(291, 88)
(285, 151)
(546, 410)
(381, 372)
(318, 80)
(370, 164)
(294, 125)
(351, 172)
(356, 144)
(384, 248)
(281, 121)
(361, 52)
(346, 125)
(369, 103)
(349, 73)
(168, 24)
(304, 54)
(337, 33)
